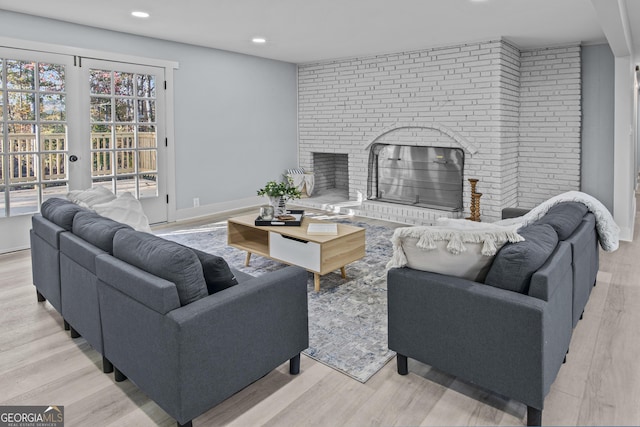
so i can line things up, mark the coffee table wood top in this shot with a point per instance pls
(299, 232)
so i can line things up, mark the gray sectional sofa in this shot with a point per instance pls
(511, 333)
(186, 328)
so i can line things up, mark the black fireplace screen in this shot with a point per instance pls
(420, 176)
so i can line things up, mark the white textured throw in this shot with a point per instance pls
(608, 230)
(491, 236)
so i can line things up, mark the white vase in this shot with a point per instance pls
(279, 205)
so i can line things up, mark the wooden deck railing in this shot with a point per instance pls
(22, 159)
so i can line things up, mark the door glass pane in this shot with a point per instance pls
(52, 77)
(23, 199)
(147, 137)
(101, 137)
(123, 83)
(3, 205)
(100, 82)
(146, 110)
(126, 162)
(22, 168)
(147, 161)
(100, 109)
(58, 189)
(101, 164)
(124, 110)
(53, 137)
(21, 106)
(20, 75)
(52, 107)
(53, 166)
(146, 86)
(126, 184)
(149, 185)
(125, 137)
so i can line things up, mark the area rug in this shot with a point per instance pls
(347, 318)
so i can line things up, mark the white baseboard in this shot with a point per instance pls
(216, 208)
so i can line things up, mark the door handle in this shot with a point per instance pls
(73, 158)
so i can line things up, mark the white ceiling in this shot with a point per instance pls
(302, 31)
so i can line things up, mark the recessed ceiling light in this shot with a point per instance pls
(259, 40)
(140, 14)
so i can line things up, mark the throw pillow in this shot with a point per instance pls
(515, 263)
(465, 252)
(165, 259)
(217, 273)
(60, 211)
(92, 196)
(564, 217)
(127, 210)
(96, 229)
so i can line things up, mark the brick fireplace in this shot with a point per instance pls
(515, 114)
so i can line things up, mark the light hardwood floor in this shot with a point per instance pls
(599, 385)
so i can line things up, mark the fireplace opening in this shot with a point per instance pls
(430, 177)
(331, 172)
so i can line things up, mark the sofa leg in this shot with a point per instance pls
(107, 366)
(74, 333)
(534, 416)
(66, 325)
(41, 297)
(294, 365)
(187, 424)
(403, 364)
(119, 376)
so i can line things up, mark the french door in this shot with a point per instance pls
(36, 106)
(72, 123)
(126, 138)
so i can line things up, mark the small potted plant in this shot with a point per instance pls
(279, 193)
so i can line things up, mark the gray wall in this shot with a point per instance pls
(597, 123)
(235, 115)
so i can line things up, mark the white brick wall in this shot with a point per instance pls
(472, 91)
(550, 120)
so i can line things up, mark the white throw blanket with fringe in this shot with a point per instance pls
(493, 237)
(608, 230)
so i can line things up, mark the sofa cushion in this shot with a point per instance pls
(126, 209)
(217, 273)
(91, 196)
(165, 259)
(515, 263)
(96, 229)
(60, 211)
(459, 248)
(564, 217)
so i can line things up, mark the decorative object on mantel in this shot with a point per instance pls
(279, 193)
(475, 201)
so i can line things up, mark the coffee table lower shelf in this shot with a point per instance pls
(292, 245)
